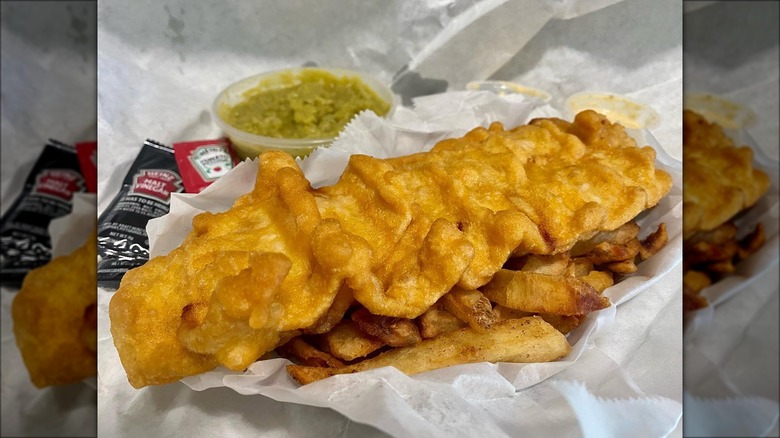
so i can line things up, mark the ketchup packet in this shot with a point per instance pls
(145, 194)
(87, 153)
(47, 194)
(203, 162)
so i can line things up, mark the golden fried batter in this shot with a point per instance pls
(719, 181)
(55, 318)
(399, 233)
(719, 178)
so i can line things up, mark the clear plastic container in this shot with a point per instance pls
(249, 145)
(503, 88)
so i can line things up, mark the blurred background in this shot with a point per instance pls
(49, 71)
(731, 358)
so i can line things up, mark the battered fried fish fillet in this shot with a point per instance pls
(399, 233)
(55, 318)
(720, 182)
(719, 178)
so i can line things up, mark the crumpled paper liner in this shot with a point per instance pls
(427, 402)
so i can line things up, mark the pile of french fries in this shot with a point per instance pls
(711, 255)
(522, 315)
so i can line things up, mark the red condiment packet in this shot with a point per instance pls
(87, 153)
(203, 162)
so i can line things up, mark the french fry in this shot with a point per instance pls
(335, 313)
(619, 236)
(599, 280)
(395, 332)
(549, 265)
(471, 307)
(696, 280)
(707, 252)
(578, 267)
(653, 243)
(301, 351)
(503, 312)
(692, 300)
(539, 293)
(513, 340)
(347, 342)
(437, 321)
(623, 267)
(721, 268)
(607, 252)
(752, 242)
(563, 323)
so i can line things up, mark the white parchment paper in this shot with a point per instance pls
(732, 353)
(160, 68)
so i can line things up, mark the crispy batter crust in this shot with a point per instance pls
(54, 316)
(719, 177)
(400, 233)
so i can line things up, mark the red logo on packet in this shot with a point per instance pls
(203, 162)
(157, 184)
(87, 154)
(58, 183)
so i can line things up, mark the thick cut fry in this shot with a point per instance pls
(395, 332)
(436, 322)
(514, 340)
(752, 242)
(619, 236)
(607, 252)
(335, 313)
(721, 268)
(579, 267)
(563, 323)
(347, 342)
(548, 265)
(623, 267)
(692, 300)
(470, 306)
(503, 312)
(599, 280)
(707, 252)
(539, 293)
(696, 280)
(653, 243)
(301, 351)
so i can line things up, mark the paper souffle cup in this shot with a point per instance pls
(618, 109)
(249, 145)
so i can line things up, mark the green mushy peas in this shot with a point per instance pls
(308, 104)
